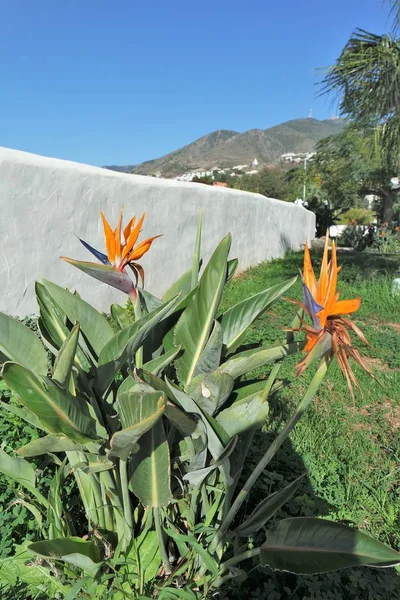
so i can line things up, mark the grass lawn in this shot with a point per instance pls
(350, 451)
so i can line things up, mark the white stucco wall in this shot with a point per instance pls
(45, 201)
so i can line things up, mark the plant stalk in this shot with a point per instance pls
(161, 542)
(126, 501)
(138, 315)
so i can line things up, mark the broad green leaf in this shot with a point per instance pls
(248, 391)
(189, 405)
(150, 468)
(138, 413)
(53, 328)
(104, 273)
(181, 286)
(267, 508)
(210, 358)
(20, 344)
(73, 550)
(196, 254)
(197, 477)
(93, 325)
(121, 347)
(309, 545)
(231, 268)
(210, 392)
(253, 359)
(194, 325)
(18, 469)
(244, 415)
(120, 316)
(56, 408)
(148, 553)
(25, 414)
(65, 358)
(55, 442)
(148, 301)
(184, 422)
(237, 319)
(157, 365)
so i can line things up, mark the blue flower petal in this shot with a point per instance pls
(312, 306)
(99, 255)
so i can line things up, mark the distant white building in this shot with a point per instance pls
(254, 164)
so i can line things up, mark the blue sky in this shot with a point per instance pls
(121, 82)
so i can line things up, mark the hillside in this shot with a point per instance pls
(226, 148)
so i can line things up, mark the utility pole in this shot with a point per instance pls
(305, 173)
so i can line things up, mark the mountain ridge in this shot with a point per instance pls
(227, 148)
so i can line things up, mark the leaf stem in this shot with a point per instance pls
(138, 315)
(126, 501)
(161, 542)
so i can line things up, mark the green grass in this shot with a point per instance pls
(350, 452)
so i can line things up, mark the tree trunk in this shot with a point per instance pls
(387, 211)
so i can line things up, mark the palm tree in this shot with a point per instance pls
(366, 77)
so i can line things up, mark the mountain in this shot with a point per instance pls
(226, 148)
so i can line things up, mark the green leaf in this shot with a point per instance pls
(252, 359)
(150, 468)
(56, 408)
(194, 325)
(231, 268)
(122, 346)
(196, 254)
(20, 344)
(65, 358)
(120, 316)
(210, 358)
(197, 477)
(243, 416)
(210, 392)
(184, 422)
(25, 414)
(189, 405)
(93, 325)
(138, 412)
(267, 508)
(55, 442)
(157, 365)
(73, 550)
(308, 545)
(148, 301)
(181, 286)
(18, 469)
(237, 319)
(53, 328)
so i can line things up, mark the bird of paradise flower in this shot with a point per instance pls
(121, 253)
(329, 334)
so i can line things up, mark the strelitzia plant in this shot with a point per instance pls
(157, 441)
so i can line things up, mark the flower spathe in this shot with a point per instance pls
(122, 252)
(330, 331)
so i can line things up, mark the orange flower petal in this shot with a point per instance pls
(117, 237)
(323, 278)
(140, 250)
(133, 236)
(345, 307)
(109, 239)
(308, 272)
(129, 228)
